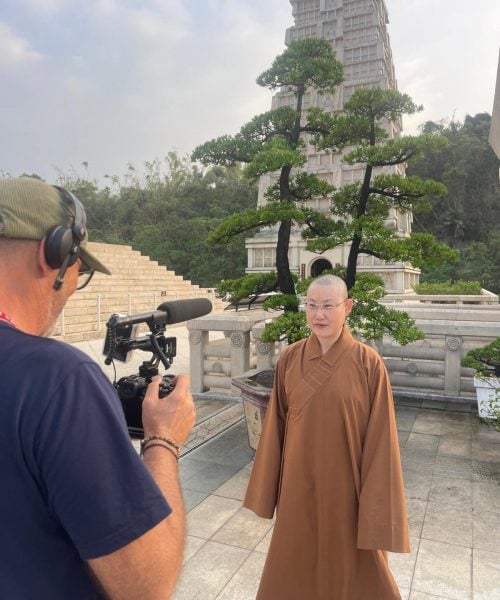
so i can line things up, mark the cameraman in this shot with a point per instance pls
(81, 515)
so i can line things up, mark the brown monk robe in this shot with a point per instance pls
(328, 459)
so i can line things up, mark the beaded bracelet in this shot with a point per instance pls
(144, 448)
(160, 438)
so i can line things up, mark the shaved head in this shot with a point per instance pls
(332, 280)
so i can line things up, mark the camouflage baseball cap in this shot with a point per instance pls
(29, 208)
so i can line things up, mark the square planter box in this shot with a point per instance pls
(486, 395)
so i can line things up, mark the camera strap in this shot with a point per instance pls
(5, 317)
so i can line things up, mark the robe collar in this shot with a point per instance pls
(313, 347)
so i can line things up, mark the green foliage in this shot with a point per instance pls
(467, 216)
(307, 63)
(485, 361)
(375, 104)
(361, 209)
(247, 286)
(168, 212)
(494, 410)
(290, 326)
(463, 288)
(370, 320)
(287, 302)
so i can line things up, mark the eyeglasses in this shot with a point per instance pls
(85, 274)
(327, 308)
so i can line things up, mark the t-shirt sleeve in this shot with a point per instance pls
(95, 484)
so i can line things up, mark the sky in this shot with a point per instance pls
(89, 87)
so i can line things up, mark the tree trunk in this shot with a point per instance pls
(352, 261)
(285, 281)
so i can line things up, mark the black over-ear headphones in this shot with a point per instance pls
(62, 244)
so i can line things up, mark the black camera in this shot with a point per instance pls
(122, 338)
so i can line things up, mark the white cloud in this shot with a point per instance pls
(15, 50)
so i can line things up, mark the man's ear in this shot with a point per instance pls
(43, 265)
(348, 306)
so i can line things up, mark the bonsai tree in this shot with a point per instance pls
(485, 361)
(273, 142)
(359, 210)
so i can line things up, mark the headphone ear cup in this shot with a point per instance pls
(58, 246)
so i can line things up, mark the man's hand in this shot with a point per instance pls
(171, 416)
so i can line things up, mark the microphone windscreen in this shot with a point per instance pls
(184, 310)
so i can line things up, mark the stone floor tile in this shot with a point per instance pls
(264, 544)
(188, 467)
(417, 484)
(208, 571)
(424, 426)
(457, 417)
(236, 486)
(192, 499)
(403, 437)
(405, 423)
(422, 442)
(449, 524)
(454, 491)
(416, 511)
(451, 466)
(245, 582)
(244, 529)
(485, 450)
(430, 416)
(209, 516)
(486, 496)
(193, 544)
(421, 461)
(486, 575)
(456, 429)
(423, 596)
(210, 478)
(486, 531)
(443, 570)
(450, 445)
(403, 565)
(488, 433)
(405, 593)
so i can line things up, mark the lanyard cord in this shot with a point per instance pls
(5, 317)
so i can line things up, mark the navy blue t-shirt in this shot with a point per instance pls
(72, 485)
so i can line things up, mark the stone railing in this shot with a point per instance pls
(214, 362)
(485, 297)
(429, 368)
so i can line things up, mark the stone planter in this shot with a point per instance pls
(486, 396)
(255, 388)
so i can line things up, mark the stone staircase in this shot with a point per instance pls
(137, 284)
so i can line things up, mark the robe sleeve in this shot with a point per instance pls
(263, 487)
(382, 519)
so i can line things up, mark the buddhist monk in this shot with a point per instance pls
(328, 461)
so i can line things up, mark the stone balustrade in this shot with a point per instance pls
(430, 367)
(213, 363)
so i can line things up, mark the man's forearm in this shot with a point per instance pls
(164, 468)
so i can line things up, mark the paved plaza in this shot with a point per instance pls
(451, 464)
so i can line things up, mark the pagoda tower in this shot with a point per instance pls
(357, 31)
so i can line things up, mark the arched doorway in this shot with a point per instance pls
(319, 266)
